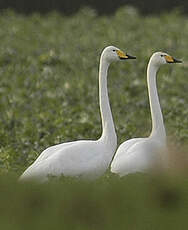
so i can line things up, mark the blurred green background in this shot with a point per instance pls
(49, 94)
(69, 7)
(137, 202)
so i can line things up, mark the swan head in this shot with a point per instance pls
(112, 53)
(161, 58)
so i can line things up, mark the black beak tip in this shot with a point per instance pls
(131, 57)
(177, 61)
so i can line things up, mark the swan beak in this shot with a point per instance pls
(122, 55)
(170, 59)
(131, 57)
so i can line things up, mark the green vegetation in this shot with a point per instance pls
(49, 95)
(136, 202)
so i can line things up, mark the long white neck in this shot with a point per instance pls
(108, 131)
(158, 129)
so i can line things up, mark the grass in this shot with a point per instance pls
(136, 202)
(49, 94)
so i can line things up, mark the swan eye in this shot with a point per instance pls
(162, 55)
(114, 50)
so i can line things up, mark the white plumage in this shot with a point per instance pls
(84, 158)
(141, 154)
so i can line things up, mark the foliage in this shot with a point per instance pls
(137, 202)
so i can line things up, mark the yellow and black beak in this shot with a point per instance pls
(170, 59)
(122, 55)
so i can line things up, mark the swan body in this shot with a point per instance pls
(83, 158)
(143, 154)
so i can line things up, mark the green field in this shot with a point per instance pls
(49, 95)
(137, 202)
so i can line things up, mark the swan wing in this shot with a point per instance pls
(51, 150)
(122, 151)
(81, 158)
(140, 156)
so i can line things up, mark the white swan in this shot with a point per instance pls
(83, 158)
(141, 154)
